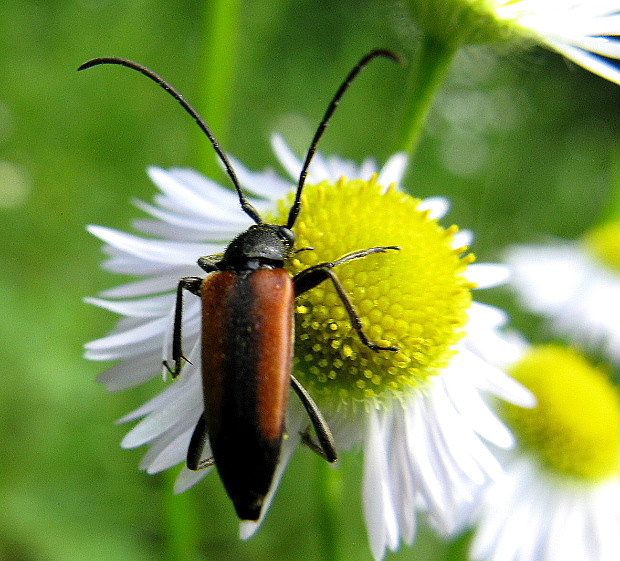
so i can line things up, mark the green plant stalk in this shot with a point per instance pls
(429, 70)
(613, 205)
(329, 493)
(182, 521)
(220, 57)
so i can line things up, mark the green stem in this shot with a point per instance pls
(182, 523)
(329, 501)
(221, 45)
(613, 205)
(428, 72)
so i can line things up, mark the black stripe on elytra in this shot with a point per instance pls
(244, 337)
(245, 459)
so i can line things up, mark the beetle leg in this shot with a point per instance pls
(196, 446)
(326, 446)
(192, 284)
(315, 275)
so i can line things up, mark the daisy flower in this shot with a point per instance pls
(560, 495)
(584, 31)
(419, 414)
(576, 285)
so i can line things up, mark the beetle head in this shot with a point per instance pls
(261, 245)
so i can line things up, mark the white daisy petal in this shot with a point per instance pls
(160, 283)
(369, 168)
(581, 30)
(165, 454)
(151, 307)
(378, 502)
(601, 45)
(130, 374)
(394, 170)
(590, 62)
(402, 477)
(188, 479)
(127, 343)
(157, 251)
(463, 239)
(529, 515)
(183, 228)
(437, 206)
(287, 158)
(193, 194)
(487, 275)
(320, 169)
(185, 401)
(266, 184)
(564, 283)
(469, 404)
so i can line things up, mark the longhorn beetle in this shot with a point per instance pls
(248, 306)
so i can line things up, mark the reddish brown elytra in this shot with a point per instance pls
(248, 301)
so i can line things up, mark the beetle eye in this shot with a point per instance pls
(287, 235)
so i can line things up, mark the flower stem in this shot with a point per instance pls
(221, 45)
(613, 207)
(329, 501)
(182, 523)
(428, 72)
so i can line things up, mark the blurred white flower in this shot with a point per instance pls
(560, 496)
(576, 285)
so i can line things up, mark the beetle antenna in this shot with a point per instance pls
(246, 206)
(296, 207)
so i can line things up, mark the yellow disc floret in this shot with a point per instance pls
(604, 242)
(574, 428)
(416, 298)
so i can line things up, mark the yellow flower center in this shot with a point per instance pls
(604, 242)
(416, 298)
(574, 428)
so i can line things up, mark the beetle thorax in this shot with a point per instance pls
(260, 246)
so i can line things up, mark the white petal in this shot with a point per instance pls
(463, 239)
(562, 282)
(154, 306)
(287, 158)
(180, 401)
(531, 514)
(378, 507)
(266, 184)
(160, 251)
(394, 169)
(194, 194)
(168, 452)
(589, 61)
(129, 374)
(368, 169)
(487, 275)
(188, 479)
(438, 206)
(182, 228)
(127, 343)
(154, 285)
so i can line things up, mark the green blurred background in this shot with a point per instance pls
(524, 143)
